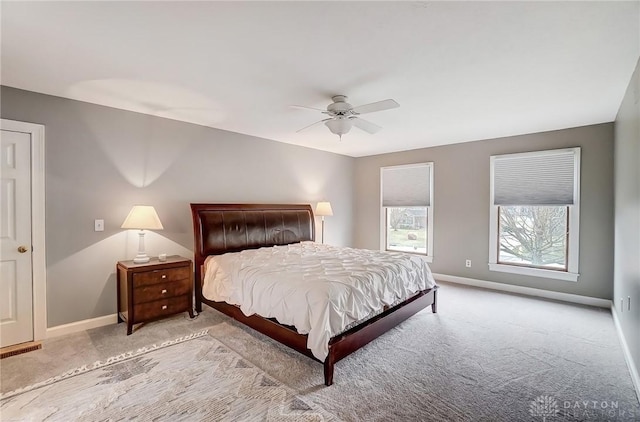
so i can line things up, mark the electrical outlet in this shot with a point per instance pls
(467, 263)
(98, 225)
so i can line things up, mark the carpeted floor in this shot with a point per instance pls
(486, 356)
(192, 378)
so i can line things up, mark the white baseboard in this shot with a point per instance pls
(635, 375)
(529, 291)
(74, 327)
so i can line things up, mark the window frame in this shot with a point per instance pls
(573, 215)
(430, 227)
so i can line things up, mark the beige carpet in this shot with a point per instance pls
(485, 356)
(193, 378)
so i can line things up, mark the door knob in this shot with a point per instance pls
(22, 249)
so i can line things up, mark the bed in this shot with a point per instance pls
(221, 229)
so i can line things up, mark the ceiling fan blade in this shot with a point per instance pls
(308, 108)
(312, 124)
(377, 106)
(365, 125)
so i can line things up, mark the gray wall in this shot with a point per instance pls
(461, 205)
(627, 212)
(100, 161)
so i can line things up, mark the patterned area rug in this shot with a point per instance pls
(191, 378)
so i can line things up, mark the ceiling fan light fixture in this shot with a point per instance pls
(339, 126)
(342, 115)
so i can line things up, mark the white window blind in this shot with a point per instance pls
(536, 178)
(406, 186)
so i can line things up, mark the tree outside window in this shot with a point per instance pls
(534, 236)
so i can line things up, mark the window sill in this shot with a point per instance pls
(535, 272)
(427, 258)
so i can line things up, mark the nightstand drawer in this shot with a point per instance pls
(160, 276)
(158, 308)
(161, 291)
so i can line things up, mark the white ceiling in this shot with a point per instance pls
(461, 71)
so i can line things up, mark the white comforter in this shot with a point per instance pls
(319, 289)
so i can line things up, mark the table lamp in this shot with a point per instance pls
(142, 217)
(324, 209)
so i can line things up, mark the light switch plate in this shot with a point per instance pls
(98, 225)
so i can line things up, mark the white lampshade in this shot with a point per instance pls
(324, 209)
(339, 126)
(142, 217)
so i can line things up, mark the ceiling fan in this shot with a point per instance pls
(342, 115)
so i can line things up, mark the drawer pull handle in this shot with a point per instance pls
(164, 307)
(164, 276)
(164, 291)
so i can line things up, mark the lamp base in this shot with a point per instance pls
(141, 259)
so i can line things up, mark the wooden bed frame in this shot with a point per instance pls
(222, 228)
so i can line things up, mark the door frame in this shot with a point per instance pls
(38, 254)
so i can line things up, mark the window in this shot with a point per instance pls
(535, 213)
(407, 209)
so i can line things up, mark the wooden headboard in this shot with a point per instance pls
(222, 228)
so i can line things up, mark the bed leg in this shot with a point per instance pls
(198, 304)
(434, 305)
(328, 371)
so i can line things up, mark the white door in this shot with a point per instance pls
(16, 282)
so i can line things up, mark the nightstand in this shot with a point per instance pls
(154, 289)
